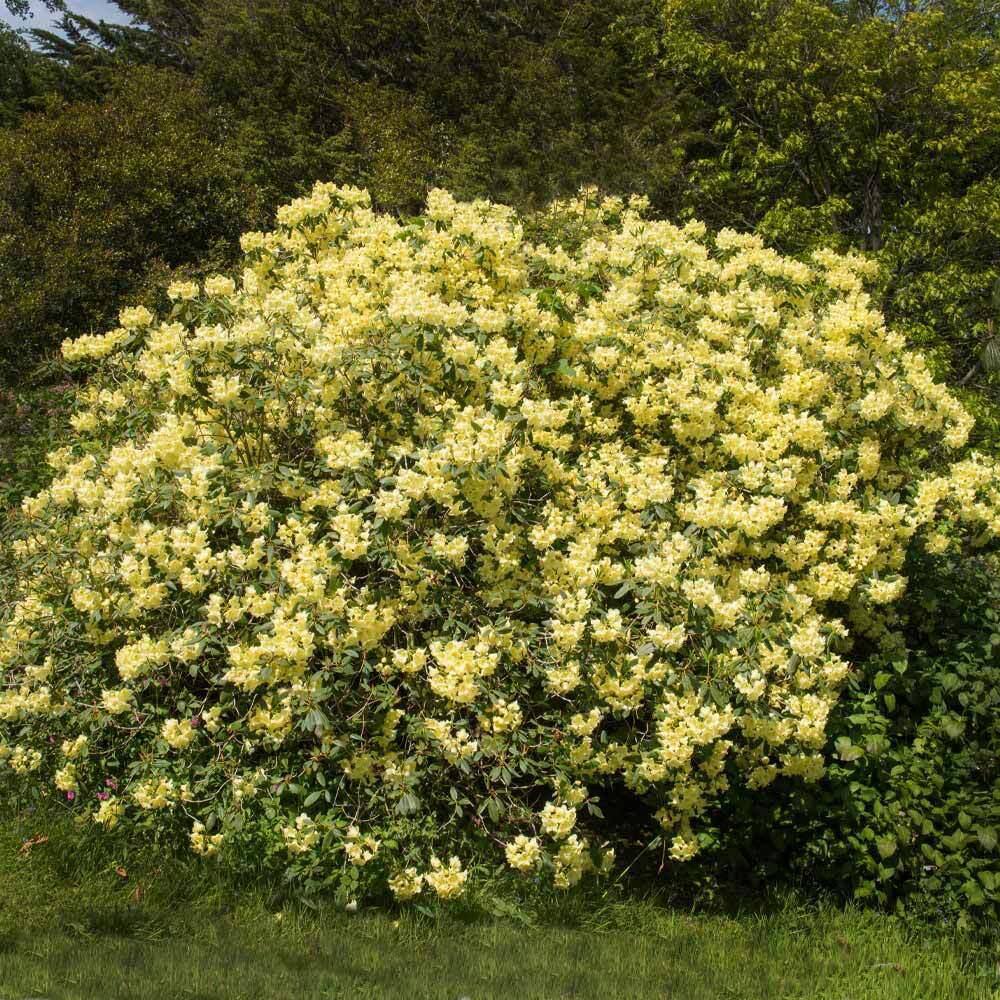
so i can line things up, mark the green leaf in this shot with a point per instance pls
(408, 804)
(953, 728)
(886, 846)
(987, 837)
(973, 892)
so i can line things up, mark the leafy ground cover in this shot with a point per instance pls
(33, 418)
(79, 921)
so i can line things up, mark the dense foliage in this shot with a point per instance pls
(818, 122)
(425, 537)
(915, 791)
(834, 126)
(909, 811)
(103, 200)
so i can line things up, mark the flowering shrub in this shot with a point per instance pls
(422, 536)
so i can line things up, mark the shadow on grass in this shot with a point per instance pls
(85, 916)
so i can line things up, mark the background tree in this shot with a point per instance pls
(875, 126)
(528, 99)
(101, 200)
(22, 8)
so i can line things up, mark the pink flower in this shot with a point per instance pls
(71, 796)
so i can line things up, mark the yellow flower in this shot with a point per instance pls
(109, 812)
(65, 779)
(447, 881)
(117, 701)
(177, 733)
(523, 853)
(406, 884)
(204, 843)
(557, 820)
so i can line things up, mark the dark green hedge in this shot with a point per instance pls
(100, 201)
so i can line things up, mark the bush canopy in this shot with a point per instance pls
(408, 550)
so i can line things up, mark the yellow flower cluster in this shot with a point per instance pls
(446, 880)
(109, 812)
(416, 520)
(360, 849)
(523, 853)
(302, 835)
(557, 820)
(155, 793)
(204, 843)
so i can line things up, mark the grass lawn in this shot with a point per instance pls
(71, 926)
(828, 955)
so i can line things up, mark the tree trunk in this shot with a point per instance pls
(871, 220)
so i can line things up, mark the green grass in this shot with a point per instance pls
(73, 927)
(826, 956)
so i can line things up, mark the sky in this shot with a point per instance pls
(94, 9)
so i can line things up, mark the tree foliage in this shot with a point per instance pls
(909, 814)
(856, 126)
(521, 100)
(97, 199)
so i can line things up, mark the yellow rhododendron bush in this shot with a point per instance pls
(405, 551)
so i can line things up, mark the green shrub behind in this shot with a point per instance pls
(99, 201)
(909, 811)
